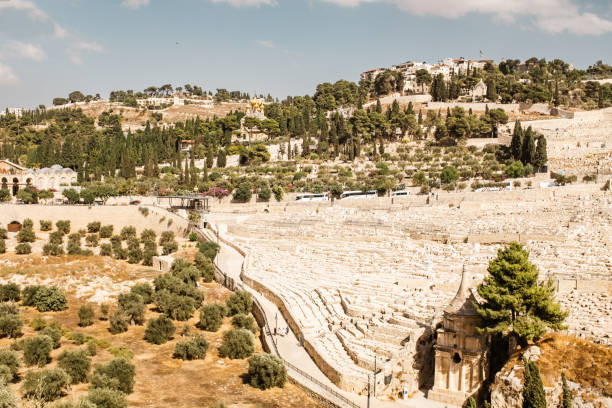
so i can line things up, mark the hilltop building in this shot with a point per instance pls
(14, 177)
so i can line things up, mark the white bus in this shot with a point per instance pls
(401, 193)
(358, 194)
(307, 197)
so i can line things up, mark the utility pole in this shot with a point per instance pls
(368, 390)
(375, 358)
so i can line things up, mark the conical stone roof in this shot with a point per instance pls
(462, 304)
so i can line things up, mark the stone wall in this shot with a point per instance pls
(80, 216)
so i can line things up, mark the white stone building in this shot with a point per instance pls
(14, 177)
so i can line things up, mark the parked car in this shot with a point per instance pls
(135, 202)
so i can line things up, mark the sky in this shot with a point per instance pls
(49, 48)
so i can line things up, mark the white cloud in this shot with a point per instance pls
(553, 16)
(75, 50)
(247, 3)
(266, 44)
(35, 14)
(24, 50)
(134, 4)
(7, 77)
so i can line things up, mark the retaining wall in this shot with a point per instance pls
(81, 215)
(583, 285)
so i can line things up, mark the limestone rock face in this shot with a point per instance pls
(507, 390)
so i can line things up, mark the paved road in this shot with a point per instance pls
(230, 262)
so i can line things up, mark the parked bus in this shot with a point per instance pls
(358, 194)
(308, 197)
(401, 193)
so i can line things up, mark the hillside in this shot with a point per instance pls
(587, 366)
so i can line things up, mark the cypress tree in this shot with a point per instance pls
(533, 389)
(541, 156)
(209, 159)
(420, 118)
(528, 156)
(491, 90)
(516, 146)
(378, 106)
(600, 103)
(566, 394)
(221, 158)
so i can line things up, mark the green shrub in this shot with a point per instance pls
(211, 317)
(237, 343)
(5, 377)
(53, 250)
(144, 290)
(28, 223)
(106, 250)
(122, 352)
(10, 359)
(92, 348)
(243, 193)
(209, 249)
(74, 244)
(127, 232)
(266, 371)
(86, 315)
(133, 306)
(38, 323)
(240, 302)
(206, 267)
(37, 350)
(23, 249)
(106, 231)
(47, 385)
(159, 330)
(9, 308)
(119, 369)
(144, 211)
(92, 240)
(10, 325)
(177, 286)
(193, 349)
(150, 250)
(80, 403)
(169, 247)
(134, 255)
(94, 227)
(7, 398)
(175, 306)
(243, 321)
(76, 364)
(193, 237)
(56, 238)
(10, 292)
(45, 225)
(107, 398)
(2, 246)
(50, 299)
(104, 311)
(54, 332)
(63, 226)
(147, 235)
(3, 233)
(118, 322)
(28, 294)
(77, 338)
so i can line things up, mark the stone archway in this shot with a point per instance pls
(4, 185)
(15, 186)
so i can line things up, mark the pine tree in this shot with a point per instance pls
(516, 146)
(566, 394)
(515, 303)
(533, 389)
(528, 155)
(541, 156)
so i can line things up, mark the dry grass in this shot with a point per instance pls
(161, 381)
(582, 361)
